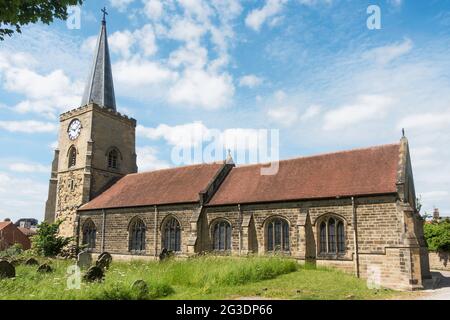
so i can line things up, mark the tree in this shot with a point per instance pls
(47, 242)
(437, 235)
(16, 13)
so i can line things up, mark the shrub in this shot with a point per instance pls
(437, 235)
(47, 242)
(13, 251)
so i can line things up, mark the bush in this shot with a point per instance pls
(13, 251)
(47, 242)
(437, 235)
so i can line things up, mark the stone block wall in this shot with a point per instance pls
(439, 261)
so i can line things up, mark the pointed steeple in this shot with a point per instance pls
(100, 86)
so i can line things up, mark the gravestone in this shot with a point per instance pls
(94, 273)
(31, 262)
(7, 270)
(84, 259)
(163, 255)
(104, 261)
(141, 288)
(44, 268)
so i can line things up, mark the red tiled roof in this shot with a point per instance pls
(349, 173)
(3, 224)
(27, 232)
(169, 186)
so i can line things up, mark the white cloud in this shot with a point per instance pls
(28, 126)
(153, 9)
(120, 5)
(315, 2)
(147, 159)
(396, 3)
(426, 121)
(257, 17)
(250, 81)
(284, 115)
(311, 112)
(386, 54)
(366, 108)
(21, 197)
(200, 88)
(29, 168)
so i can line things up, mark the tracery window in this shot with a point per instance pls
(277, 235)
(72, 157)
(89, 235)
(172, 235)
(332, 236)
(137, 236)
(222, 236)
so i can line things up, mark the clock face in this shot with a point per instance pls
(74, 129)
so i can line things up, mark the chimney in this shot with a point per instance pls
(436, 214)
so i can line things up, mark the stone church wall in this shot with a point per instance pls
(383, 255)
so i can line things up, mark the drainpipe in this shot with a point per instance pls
(103, 229)
(155, 231)
(355, 237)
(240, 228)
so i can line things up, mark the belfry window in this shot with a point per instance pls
(222, 236)
(113, 159)
(172, 235)
(137, 236)
(72, 157)
(89, 235)
(277, 235)
(332, 236)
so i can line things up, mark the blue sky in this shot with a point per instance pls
(310, 68)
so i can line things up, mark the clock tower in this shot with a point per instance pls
(96, 145)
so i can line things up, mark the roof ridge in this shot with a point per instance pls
(321, 155)
(174, 168)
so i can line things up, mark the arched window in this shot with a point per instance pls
(332, 236)
(89, 235)
(277, 235)
(172, 235)
(72, 157)
(113, 159)
(222, 236)
(137, 236)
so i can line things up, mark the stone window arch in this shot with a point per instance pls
(89, 235)
(136, 231)
(171, 232)
(277, 235)
(332, 235)
(221, 234)
(72, 157)
(113, 157)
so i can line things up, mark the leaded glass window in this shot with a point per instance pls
(89, 235)
(137, 236)
(222, 236)
(332, 236)
(277, 235)
(172, 235)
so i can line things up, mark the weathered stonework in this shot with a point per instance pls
(102, 129)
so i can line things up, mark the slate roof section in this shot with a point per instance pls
(100, 86)
(349, 173)
(169, 186)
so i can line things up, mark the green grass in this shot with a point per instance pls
(197, 278)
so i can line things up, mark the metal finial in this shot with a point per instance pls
(403, 132)
(105, 13)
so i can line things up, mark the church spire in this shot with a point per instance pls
(100, 86)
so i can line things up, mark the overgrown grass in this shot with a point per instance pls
(197, 278)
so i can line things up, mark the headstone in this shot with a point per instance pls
(94, 273)
(163, 255)
(141, 288)
(7, 270)
(104, 261)
(44, 268)
(31, 262)
(84, 259)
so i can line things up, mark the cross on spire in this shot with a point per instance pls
(105, 13)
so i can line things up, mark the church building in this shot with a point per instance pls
(353, 210)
